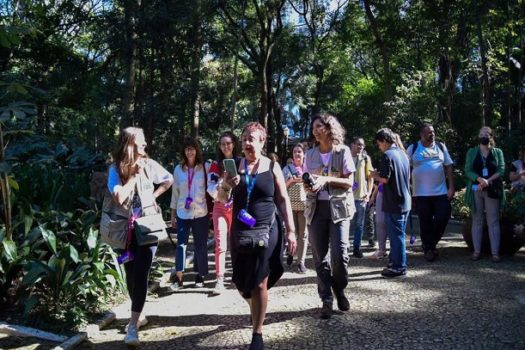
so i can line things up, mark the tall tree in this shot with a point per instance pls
(383, 49)
(256, 27)
(321, 19)
(131, 9)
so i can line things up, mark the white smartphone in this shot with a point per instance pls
(230, 167)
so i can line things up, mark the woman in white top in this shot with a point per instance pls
(189, 212)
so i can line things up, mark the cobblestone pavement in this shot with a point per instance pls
(452, 303)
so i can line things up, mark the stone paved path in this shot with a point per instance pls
(453, 303)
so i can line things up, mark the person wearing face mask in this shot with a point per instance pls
(484, 167)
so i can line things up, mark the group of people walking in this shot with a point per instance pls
(261, 210)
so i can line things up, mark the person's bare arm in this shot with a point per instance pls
(285, 208)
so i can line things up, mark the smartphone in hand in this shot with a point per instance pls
(230, 167)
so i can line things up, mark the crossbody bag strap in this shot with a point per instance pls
(291, 170)
(138, 187)
(205, 178)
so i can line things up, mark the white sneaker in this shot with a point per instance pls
(177, 285)
(142, 322)
(199, 281)
(132, 336)
(219, 287)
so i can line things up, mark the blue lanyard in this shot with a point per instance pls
(250, 182)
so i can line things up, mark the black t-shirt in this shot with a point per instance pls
(396, 193)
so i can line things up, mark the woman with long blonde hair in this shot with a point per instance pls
(132, 168)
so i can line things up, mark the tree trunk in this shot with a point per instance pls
(385, 56)
(6, 191)
(319, 73)
(42, 122)
(263, 86)
(196, 68)
(519, 89)
(234, 95)
(486, 116)
(509, 65)
(128, 103)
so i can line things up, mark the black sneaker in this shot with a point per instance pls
(326, 311)
(393, 273)
(371, 243)
(342, 302)
(430, 256)
(357, 253)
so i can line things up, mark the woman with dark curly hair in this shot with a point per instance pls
(329, 209)
(228, 148)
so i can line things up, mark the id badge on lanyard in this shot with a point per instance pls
(189, 199)
(485, 170)
(244, 216)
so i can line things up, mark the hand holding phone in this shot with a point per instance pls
(230, 167)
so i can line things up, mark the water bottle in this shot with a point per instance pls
(246, 218)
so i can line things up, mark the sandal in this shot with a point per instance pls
(378, 255)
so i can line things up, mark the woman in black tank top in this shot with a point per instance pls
(257, 189)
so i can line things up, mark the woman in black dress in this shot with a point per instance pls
(259, 190)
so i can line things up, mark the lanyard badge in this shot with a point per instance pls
(243, 216)
(189, 200)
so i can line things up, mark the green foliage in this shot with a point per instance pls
(460, 210)
(60, 271)
(514, 208)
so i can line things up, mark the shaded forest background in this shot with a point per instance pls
(74, 72)
(176, 67)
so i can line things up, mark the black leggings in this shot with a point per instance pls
(137, 274)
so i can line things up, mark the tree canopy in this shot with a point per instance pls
(180, 67)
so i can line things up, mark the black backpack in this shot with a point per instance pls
(440, 145)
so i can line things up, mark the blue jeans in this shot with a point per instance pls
(329, 244)
(199, 229)
(358, 223)
(395, 229)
